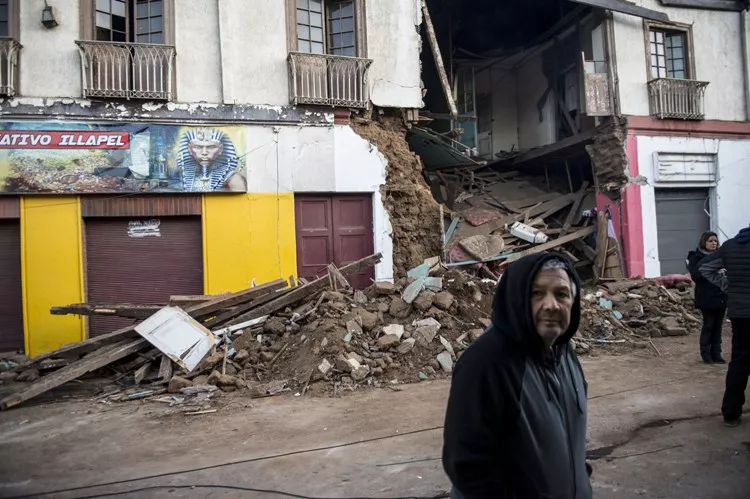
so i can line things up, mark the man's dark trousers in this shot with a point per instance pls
(739, 370)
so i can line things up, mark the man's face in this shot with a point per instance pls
(205, 152)
(551, 304)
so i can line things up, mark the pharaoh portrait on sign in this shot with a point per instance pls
(208, 161)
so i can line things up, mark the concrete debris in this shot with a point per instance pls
(178, 383)
(434, 284)
(388, 340)
(444, 300)
(324, 367)
(354, 327)
(369, 320)
(356, 357)
(360, 373)
(424, 301)
(448, 347)
(394, 329)
(445, 361)
(341, 364)
(384, 288)
(406, 346)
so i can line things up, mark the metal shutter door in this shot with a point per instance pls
(680, 221)
(123, 269)
(11, 297)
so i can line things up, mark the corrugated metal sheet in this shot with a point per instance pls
(126, 266)
(11, 301)
(435, 151)
(141, 206)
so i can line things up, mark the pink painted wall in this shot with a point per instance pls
(632, 217)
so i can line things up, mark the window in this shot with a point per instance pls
(669, 52)
(328, 27)
(4, 18)
(139, 21)
(9, 19)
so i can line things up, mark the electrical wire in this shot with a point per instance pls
(229, 463)
(247, 489)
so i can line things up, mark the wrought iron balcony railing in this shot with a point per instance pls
(9, 49)
(677, 99)
(126, 70)
(329, 80)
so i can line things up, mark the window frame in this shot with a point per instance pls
(88, 21)
(14, 19)
(686, 30)
(360, 28)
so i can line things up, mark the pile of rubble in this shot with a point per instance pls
(327, 338)
(499, 217)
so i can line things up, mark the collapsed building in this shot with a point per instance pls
(619, 94)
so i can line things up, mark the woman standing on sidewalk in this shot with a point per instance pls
(709, 299)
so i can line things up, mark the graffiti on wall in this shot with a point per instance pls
(55, 157)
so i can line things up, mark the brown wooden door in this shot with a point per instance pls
(334, 229)
(131, 266)
(11, 295)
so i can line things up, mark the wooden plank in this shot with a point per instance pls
(626, 8)
(189, 300)
(231, 314)
(437, 55)
(74, 371)
(556, 205)
(129, 310)
(588, 251)
(199, 310)
(553, 148)
(519, 206)
(141, 373)
(165, 368)
(305, 291)
(574, 209)
(602, 240)
(235, 299)
(550, 245)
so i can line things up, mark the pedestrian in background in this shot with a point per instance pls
(709, 299)
(729, 268)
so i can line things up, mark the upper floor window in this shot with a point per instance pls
(334, 27)
(139, 21)
(670, 52)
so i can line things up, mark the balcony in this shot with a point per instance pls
(9, 49)
(677, 99)
(127, 70)
(329, 80)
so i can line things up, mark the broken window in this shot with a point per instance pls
(327, 27)
(669, 52)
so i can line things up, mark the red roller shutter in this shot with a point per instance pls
(121, 268)
(11, 297)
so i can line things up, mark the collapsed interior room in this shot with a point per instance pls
(521, 90)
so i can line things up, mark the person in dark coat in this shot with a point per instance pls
(709, 299)
(515, 426)
(729, 268)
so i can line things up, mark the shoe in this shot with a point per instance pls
(707, 359)
(719, 360)
(732, 423)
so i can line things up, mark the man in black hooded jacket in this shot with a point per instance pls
(515, 425)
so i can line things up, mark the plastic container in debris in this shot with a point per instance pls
(527, 233)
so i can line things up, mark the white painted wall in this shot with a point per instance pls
(393, 43)
(732, 209)
(235, 52)
(306, 159)
(718, 59)
(531, 84)
(254, 52)
(49, 62)
(198, 63)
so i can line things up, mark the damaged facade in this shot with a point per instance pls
(152, 148)
(621, 94)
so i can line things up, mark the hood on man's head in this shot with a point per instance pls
(511, 307)
(743, 237)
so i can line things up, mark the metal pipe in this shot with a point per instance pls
(221, 54)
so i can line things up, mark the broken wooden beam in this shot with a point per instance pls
(235, 299)
(570, 218)
(74, 371)
(305, 291)
(437, 55)
(128, 310)
(550, 245)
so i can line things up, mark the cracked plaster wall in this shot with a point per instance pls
(393, 43)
